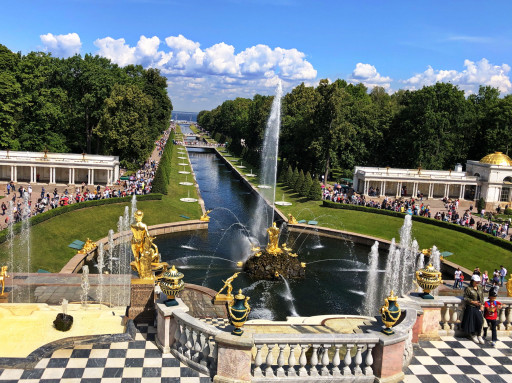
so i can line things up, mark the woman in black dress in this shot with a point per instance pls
(473, 319)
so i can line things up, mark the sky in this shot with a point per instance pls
(215, 50)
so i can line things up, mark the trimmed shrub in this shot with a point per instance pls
(430, 221)
(480, 205)
(289, 175)
(163, 171)
(300, 181)
(508, 211)
(294, 178)
(306, 186)
(315, 192)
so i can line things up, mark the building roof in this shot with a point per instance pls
(497, 158)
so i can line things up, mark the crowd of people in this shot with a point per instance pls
(24, 206)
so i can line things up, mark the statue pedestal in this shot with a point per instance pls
(142, 301)
(4, 298)
(222, 299)
(166, 324)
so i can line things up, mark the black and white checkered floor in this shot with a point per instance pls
(448, 360)
(460, 360)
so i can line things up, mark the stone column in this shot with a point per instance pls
(430, 190)
(92, 176)
(70, 171)
(461, 193)
(388, 361)
(397, 189)
(445, 194)
(166, 324)
(15, 178)
(382, 188)
(365, 187)
(234, 358)
(89, 177)
(32, 180)
(12, 173)
(447, 190)
(73, 176)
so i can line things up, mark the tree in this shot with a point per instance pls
(299, 182)
(289, 175)
(124, 124)
(306, 186)
(294, 178)
(315, 193)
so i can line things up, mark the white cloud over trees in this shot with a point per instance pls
(62, 45)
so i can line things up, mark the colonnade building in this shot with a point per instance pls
(490, 178)
(58, 168)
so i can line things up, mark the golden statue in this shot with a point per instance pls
(292, 220)
(3, 276)
(273, 237)
(227, 284)
(145, 252)
(205, 217)
(88, 246)
(509, 286)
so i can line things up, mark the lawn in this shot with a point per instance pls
(50, 239)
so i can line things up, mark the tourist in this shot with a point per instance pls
(457, 276)
(4, 208)
(503, 274)
(477, 271)
(491, 308)
(485, 279)
(8, 188)
(472, 320)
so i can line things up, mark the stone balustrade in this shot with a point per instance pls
(194, 343)
(314, 357)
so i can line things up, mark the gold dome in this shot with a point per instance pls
(497, 158)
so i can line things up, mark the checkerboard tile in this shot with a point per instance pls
(138, 361)
(459, 360)
(220, 323)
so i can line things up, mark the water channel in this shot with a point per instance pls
(336, 270)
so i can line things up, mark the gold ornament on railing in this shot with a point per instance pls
(273, 238)
(205, 217)
(509, 286)
(88, 246)
(292, 220)
(390, 313)
(3, 277)
(171, 283)
(229, 288)
(238, 310)
(428, 279)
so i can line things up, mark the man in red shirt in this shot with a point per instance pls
(491, 308)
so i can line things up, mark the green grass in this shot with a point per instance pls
(467, 250)
(50, 239)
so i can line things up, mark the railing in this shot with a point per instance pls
(314, 357)
(453, 310)
(194, 343)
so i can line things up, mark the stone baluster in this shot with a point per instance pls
(446, 318)
(460, 312)
(509, 317)
(368, 370)
(269, 373)
(183, 339)
(336, 361)
(501, 319)
(358, 360)
(280, 361)
(314, 360)
(177, 336)
(303, 360)
(188, 343)
(198, 346)
(291, 361)
(325, 360)
(205, 349)
(347, 360)
(213, 356)
(455, 317)
(258, 360)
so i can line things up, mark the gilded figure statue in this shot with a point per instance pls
(509, 286)
(145, 252)
(273, 237)
(205, 217)
(292, 220)
(228, 286)
(3, 277)
(88, 246)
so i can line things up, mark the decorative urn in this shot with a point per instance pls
(428, 279)
(171, 285)
(390, 313)
(238, 310)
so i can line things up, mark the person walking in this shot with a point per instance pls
(491, 308)
(457, 275)
(503, 274)
(472, 320)
(485, 279)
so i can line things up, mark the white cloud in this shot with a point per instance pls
(61, 45)
(221, 70)
(369, 76)
(469, 79)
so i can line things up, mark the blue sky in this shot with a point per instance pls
(216, 50)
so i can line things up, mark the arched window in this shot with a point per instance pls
(507, 180)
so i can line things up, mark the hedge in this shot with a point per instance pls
(162, 178)
(507, 245)
(76, 206)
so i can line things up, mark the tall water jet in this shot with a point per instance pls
(111, 247)
(133, 209)
(25, 239)
(389, 271)
(372, 280)
(435, 258)
(85, 286)
(10, 243)
(407, 258)
(268, 165)
(100, 266)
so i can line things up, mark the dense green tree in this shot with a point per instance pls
(294, 178)
(306, 186)
(315, 193)
(289, 175)
(299, 182)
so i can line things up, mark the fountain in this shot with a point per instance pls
(100, 266)
(283, 202)
(188, 198)
(251, 174)
(371, 280)
(85, 286)
(186, 183)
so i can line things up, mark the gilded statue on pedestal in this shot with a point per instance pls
(229, 287)
(292, 220)
(273, 237)
(88, 246)
(3, 276)
(205, 217)
(509, 286)
(145, 252)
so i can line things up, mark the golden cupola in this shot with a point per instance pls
(497, 158)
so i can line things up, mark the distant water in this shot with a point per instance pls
(186, 116)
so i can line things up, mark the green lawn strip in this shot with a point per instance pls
(50, 239)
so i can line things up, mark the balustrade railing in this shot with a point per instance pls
(452, 312)
(194, 343)
(314, 357)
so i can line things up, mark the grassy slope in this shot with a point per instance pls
(50, 239)
(467, 250)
